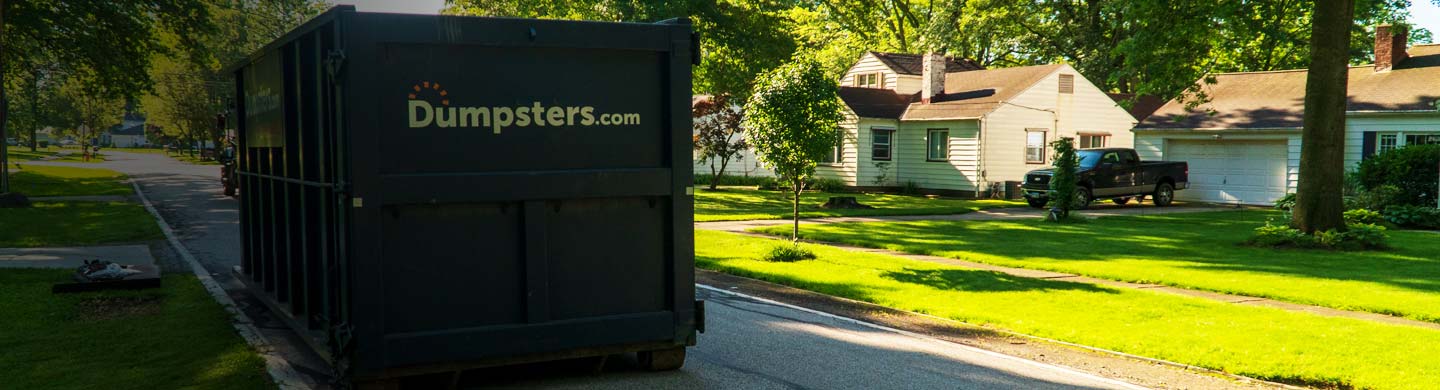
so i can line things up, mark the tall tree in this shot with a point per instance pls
(1318, 206)
(738, 38)
(103, 42)
(793, 120)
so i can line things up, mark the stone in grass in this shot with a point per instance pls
(13, 200)
(844, 202)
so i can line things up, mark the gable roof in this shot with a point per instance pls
(975, 93)
(876, 102)
(1255, 100)
(914, 64)
(1141, 106)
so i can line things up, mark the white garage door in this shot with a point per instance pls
(1249, 172)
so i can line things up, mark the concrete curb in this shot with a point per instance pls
(280, 370)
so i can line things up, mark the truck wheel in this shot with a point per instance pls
(662, 360)
(1164, 194)
(1121, 201)
(1038, 203)
(1082, 198)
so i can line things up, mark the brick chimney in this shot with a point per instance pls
(1390, 42)
(932, 76)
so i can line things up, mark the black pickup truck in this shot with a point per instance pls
(1114, 173)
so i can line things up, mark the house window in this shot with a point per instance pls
(1034, 146)
(880, 143)
(837, 153)
(1421, 139)
(1093, 141)
(870, 80)
(939, 145)
(1067, 83)
(1388, 142)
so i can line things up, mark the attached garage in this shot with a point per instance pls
(1232, 171)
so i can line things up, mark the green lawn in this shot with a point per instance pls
(1253, 341)
(735, 204)
(39, 180)
(48, 224)
(23, 153)
(173, 337)
(1190, 250)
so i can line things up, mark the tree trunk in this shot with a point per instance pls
(798, 186)
(714, 177)
(4, 114)
(1318, 203)
(34, 106)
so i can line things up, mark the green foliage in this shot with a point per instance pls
(705, 179)
(1063, 181)
(910, 188)
(1363, 216)
(1375, 199)
(1412, 169)
(1420, 217)
(1358, 236)
(787, 254)
(739, 39)
(1285, 203)
(826, 184)
(793, 118)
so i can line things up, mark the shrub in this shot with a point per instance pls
(1362, 236)
(1412, 169)
(1285, 203)
(826, 184)
(1363, 216)
(1420, 217)
(910, 188)
(1375, 199)
(1367, 236)
(731, 180)
(1271, 235)
(788, 253)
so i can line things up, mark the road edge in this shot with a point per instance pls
(704, 276)
(279, 369)
(1017, 359)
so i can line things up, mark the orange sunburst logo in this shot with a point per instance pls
(419, 89)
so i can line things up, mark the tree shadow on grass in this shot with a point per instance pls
(1196, 241)
(984, 281)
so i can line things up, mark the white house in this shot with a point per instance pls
(949, 126)
(130, 133)
(1243, 145)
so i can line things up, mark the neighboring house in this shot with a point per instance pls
(1243, 145)
(948, 126)
(742, 164)
(130, 133)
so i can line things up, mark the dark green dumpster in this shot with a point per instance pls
(425, 194)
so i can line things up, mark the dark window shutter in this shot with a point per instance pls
(1367, 145)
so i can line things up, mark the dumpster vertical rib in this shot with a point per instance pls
(537, 279)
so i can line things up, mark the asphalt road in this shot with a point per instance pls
(749, 343)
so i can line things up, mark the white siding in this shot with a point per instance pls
(845, 169)
(907, 84)
(960, 172)
(869, 64)
(1357, 124)
(1088, 110)
(1151, 145)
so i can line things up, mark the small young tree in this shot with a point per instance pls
(718, 136)
(1063, 181)
(793, 120)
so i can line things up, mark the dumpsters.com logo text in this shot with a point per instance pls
(423, 113)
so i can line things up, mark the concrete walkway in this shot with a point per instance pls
(741, 227)
(74, 256)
